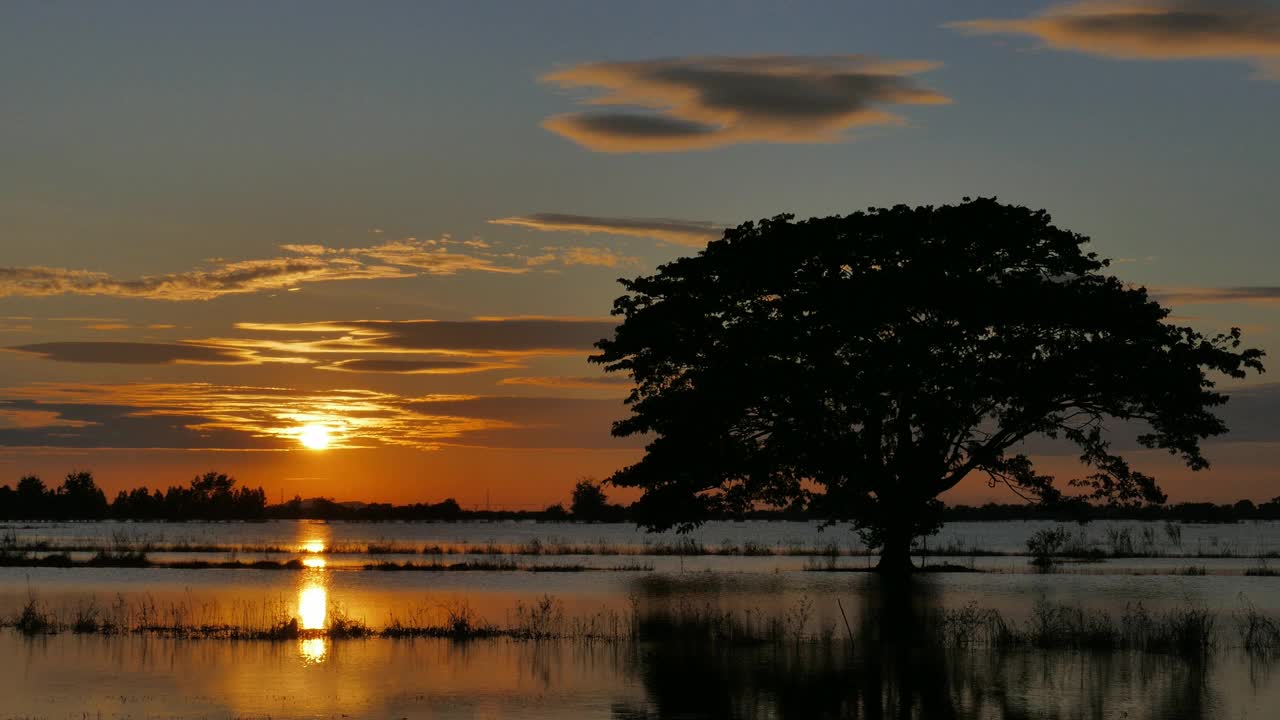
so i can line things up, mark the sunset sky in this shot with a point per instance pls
(226, 228)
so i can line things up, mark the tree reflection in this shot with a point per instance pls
(898, 666)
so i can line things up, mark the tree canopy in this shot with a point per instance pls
(870, 362)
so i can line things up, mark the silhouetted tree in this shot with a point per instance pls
(213, 496)
(80, 498)
(873, 361)
(588, 501)
(138, 504)
(33, 499)
(1244, 509)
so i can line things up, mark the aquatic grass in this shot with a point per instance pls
(559, 568)
(119, 558)
(35, 619)
(1190, 631)
(467, 565)
(343, 625)
(501, 565)
(1261, 570)
(293, 564)
(541, 620)
(971, 625)
(1259, 634)
(87, 619)
(1113, 541)
(630, 567)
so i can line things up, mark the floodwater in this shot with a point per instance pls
(894, 667)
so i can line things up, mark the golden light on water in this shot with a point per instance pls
(313, 614)
(313, 607)
(313, 592)
(313, 650)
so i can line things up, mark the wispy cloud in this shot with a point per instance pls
(203, 415)
(435, 257)
(231, 278)
(415, 367)
(576, 255)
(1212, 296)
(690, 103)
(479, 337)
(307, 264)
(26, 418)
(1243, 30)
(135, 353)
(230, 417)
(694, 233)
(406, 347)
(605, 382)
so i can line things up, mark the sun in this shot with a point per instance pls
(314, 437)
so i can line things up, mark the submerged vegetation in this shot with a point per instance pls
(1045, 549)
(1186, 631)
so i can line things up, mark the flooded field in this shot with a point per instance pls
(740, 620)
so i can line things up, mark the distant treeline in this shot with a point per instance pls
(215, 496)
(1192, 512)
(212, 496)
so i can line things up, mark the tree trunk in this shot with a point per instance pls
(895, 554)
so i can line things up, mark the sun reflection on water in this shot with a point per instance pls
(313, 607)
(313, 594)
(312, 650)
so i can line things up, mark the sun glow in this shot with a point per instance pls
(314, 437)
(313, 607)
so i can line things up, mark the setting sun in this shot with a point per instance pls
(314, 437)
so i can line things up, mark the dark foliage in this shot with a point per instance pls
(212, 496)
(589, 503)
(869, 363)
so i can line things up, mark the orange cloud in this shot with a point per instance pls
(1265, 295)
(233, 417)
(108, 326)
(406, 347)
(1243, 30)
(203, 415)
(485, 337)
(311, 263)
(608, 382)
(433, 256)
(694, 233)
(692, 103)
(415, 367)
(135, 353)
(231, 278)
(27, 419)
(577, 255)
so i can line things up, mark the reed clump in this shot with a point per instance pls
(35, 619)
(1189, 630)
(1259, 634)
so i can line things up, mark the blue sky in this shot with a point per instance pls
(153, 139)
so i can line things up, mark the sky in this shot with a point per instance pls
(232, 230)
